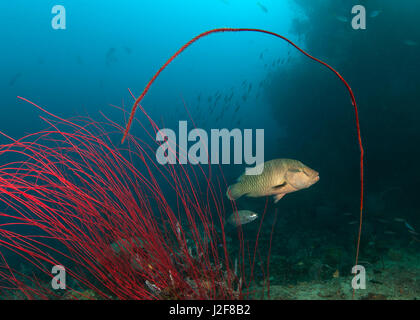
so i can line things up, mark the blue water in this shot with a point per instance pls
(68, 72)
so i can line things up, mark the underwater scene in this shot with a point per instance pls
(209, 150)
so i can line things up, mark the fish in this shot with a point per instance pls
(408, 226)
(263, 8)
(154, 288)
(413, 232)
(110, 56)
(399, 220)
(389, 232)
(278, 177)
(410, 43)
(242, 217)
(375, 13)
(250, 87)
(342, 18)
(14, 79)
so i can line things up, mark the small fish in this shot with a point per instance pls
(110, 56)
(410, 43)
(409, 227)
(154, 288)
(278, 178)
(14, 79)
(382, 221)
(413, 232)
(263, 8)
(375, 13)
(347, 214)
(389, 232)
(250, 87)
(399, 220)
(342, 18)
(242, 217)
(353, 222)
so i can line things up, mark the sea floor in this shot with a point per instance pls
(396, 277)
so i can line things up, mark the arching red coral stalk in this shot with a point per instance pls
(221, 30)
